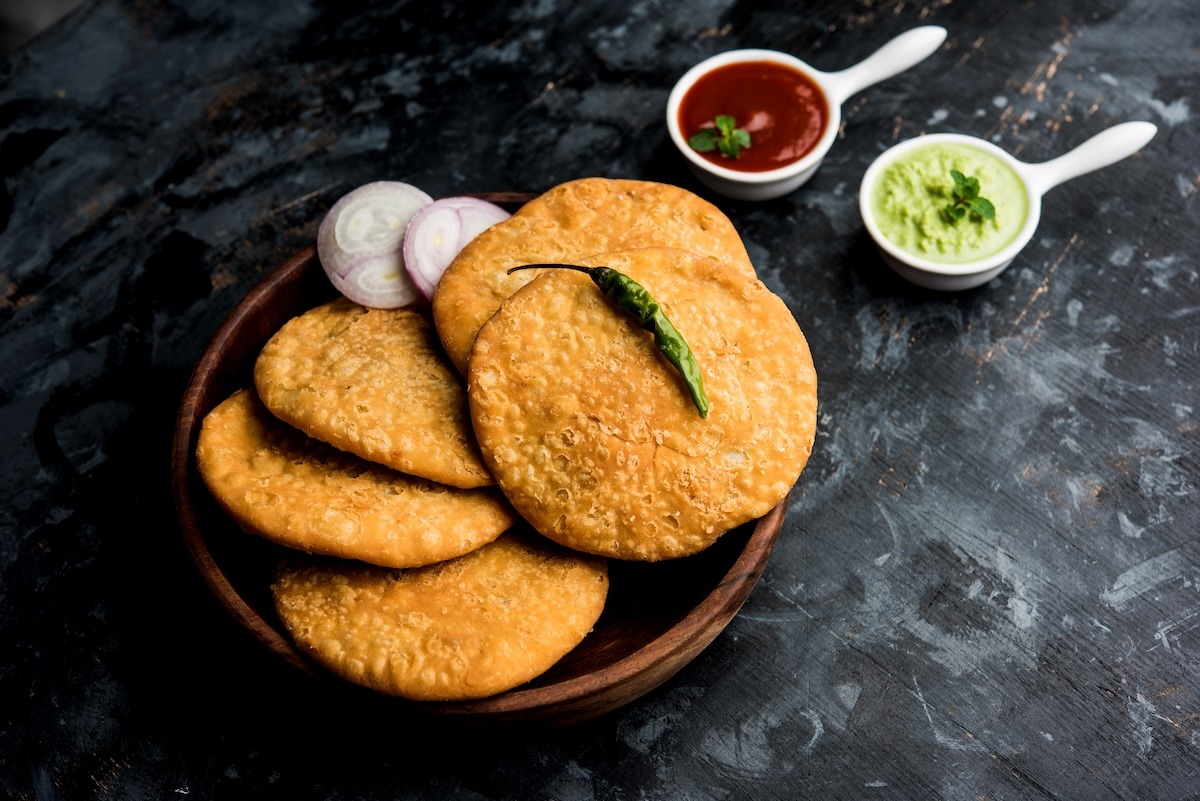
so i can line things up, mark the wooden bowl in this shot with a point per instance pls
(659, 616)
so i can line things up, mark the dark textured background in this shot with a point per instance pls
(21, 20)
(989, 580)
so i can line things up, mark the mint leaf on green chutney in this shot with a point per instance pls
(966, 200)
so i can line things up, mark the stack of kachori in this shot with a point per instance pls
(404, 571)
(303, 493)
(449, 482)
(354, 442)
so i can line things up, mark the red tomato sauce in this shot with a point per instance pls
(784, 112)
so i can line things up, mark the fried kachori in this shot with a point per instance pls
(591, 433)
(466, 628)
(571, 221)
(301, 493)
(373, 382)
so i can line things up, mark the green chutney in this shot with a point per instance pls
(913, 190)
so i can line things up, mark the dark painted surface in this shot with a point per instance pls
(989, 583)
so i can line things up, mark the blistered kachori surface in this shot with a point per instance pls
(591, 433)
(465, 628)
(569, 222)
(298, 492)
(376, 383)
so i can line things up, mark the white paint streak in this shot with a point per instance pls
(1170, 631)
(1122, 256)
(893, 530)
(1171, 348)
(848, 694)
(1080, 489)
(1145, 576)
(1159, 474)
(1020, 604)
(818, 730)
(937, 117)
(1023, 612)
(1140, 711)
(939, 737)
(1175, 113)
(1074, 307)
(1165, 270)
(1128, 527)
(746, 750)
(1130, 650)
(1185, 185)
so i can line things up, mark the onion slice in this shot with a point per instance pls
(360, 243)
(439, 231)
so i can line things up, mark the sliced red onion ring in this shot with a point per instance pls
(360, 243)
(439, 231)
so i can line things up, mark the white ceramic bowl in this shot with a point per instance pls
(1101, 150)
(896, 56)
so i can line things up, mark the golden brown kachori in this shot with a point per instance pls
(466, 628)
(373, 382)
(571, 221)
(301, 493)
(591, 433)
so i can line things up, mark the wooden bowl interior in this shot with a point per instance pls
(658, 615)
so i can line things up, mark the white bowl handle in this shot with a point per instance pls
(901, 53)
(1105, 148)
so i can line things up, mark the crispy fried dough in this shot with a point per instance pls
(591, 433)
(282, 485)
(373, 382)
(466, 628)
(574, 220)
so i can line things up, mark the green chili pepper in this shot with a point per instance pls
(633, 299)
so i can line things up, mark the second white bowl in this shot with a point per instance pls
(1101, 150)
